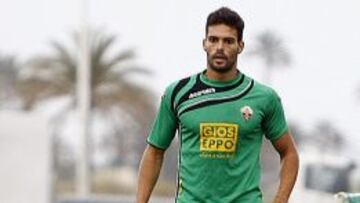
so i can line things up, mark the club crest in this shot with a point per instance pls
(246, 113)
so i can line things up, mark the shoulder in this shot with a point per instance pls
(264, 94)
(263, 90)
(175, 87)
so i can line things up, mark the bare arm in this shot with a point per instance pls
(289, 167)
(149, 171)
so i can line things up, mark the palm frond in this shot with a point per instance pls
(100, 47)
(64, 57)
(61, 51)
(135, 99)
(271, 49)
(134, 70)
(108, 74)
(33, 91)
(120, 57)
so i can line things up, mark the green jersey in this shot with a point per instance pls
(220, 128)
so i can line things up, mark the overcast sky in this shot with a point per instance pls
(323, 37)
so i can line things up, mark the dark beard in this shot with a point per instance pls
(221, 70)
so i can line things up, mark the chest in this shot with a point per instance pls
(243, 117)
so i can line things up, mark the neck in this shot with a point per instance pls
(213, 75)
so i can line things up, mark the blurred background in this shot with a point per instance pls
(80, 83)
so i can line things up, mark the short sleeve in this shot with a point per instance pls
(164, 127)
(274, 123)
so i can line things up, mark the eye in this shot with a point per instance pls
(229, 40)
(212, 39)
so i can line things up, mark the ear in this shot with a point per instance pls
(204, 44)
(241, 47)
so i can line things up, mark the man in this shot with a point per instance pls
(221, 116)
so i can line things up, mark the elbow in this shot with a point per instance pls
(292, 155)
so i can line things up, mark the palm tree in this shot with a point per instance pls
(54, 75)
(271, 49)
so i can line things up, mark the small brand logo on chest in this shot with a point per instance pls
(246, 113)
(202, 92)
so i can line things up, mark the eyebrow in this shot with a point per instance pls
(223, 38)
(227, 37)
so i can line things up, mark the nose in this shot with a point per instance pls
(220, 45)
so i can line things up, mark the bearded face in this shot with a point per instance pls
(222, 48)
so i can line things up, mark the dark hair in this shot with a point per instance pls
(228, 17)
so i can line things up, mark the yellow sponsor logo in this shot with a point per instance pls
(218, 137)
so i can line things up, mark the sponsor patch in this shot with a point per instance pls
(218, 137)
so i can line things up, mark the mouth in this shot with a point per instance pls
(220, 59)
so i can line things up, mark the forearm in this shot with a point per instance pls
(288, 174)
(149, 171)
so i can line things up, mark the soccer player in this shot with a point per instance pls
(221, 116)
